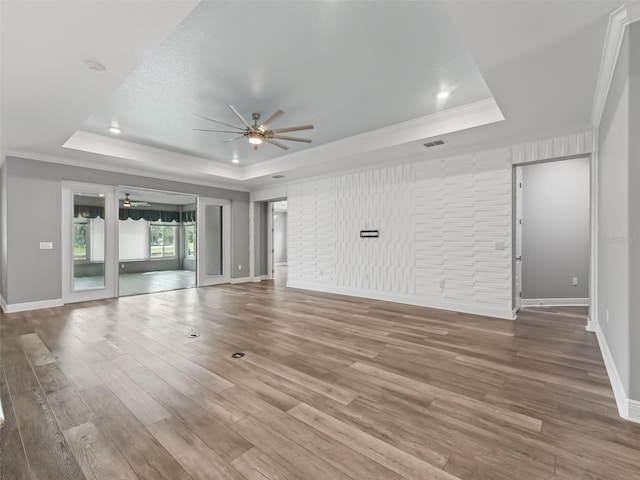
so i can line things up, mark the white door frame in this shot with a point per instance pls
(202, 278)
(517, 240)
(592, 318)
(110, 288)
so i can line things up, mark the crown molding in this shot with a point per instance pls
(113, 147)
(618, 22)
(467, 116)
(41, 157)
(475, 114)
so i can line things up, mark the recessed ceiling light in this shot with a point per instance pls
(115, 130)
(443, 94)
(235, 160)
(95, 66)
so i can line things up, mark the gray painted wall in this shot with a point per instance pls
(280, 237)
(634, 209)
(555, 229)
(34, 193)
(613, 218)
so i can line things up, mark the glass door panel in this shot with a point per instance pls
(88, 241)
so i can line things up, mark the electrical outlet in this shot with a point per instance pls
(122, 265)
(574, 282)
(607, 315)
(239, 267)
(46, 245)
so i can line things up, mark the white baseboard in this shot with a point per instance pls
(23, 307)
(634, 410)
(627, 408)
(555, 302)
(240, 280)
(418, 300)
(261, 277)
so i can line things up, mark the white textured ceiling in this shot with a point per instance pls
(345, 67)
(354, 69)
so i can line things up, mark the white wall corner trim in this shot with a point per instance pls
(401, 298)
(618, 21)
(23, 307)
(555, 302)
(627, 408)
(241, 280)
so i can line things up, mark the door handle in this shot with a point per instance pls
(519, 257)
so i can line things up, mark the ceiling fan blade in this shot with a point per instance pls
(270, 120)
(292, 139)
(216, 121)
(239, 116)
(277, 144)
(231, 140)
(292, 129)
(218, 131)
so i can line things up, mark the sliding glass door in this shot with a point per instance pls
(88, 242)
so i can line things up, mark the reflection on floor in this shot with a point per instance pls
(280, 276)
(148, 282)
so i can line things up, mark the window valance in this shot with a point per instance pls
(90, 211)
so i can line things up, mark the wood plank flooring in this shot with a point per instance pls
(330, 387)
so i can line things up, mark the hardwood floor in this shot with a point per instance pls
(330, 387)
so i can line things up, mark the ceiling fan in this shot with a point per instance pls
(259, 133)
(127, 202)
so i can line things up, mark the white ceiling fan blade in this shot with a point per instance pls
(270, 120)
(292, 139)
(217, 131)
(216, 121)
(231, 140)
(277, 144)
(292, 129)
(239, 116)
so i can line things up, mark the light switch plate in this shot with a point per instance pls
(46, 245)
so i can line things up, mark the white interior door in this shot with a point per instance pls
(214, 241)
(89, 247)
(518, 240)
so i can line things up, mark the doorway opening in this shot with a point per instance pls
(552, 234)
(279, 255)
(157, 246)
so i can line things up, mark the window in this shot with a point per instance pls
(190, 240)
(162, 241)
(80, 240)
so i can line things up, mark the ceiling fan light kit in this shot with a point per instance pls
(256, 134)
